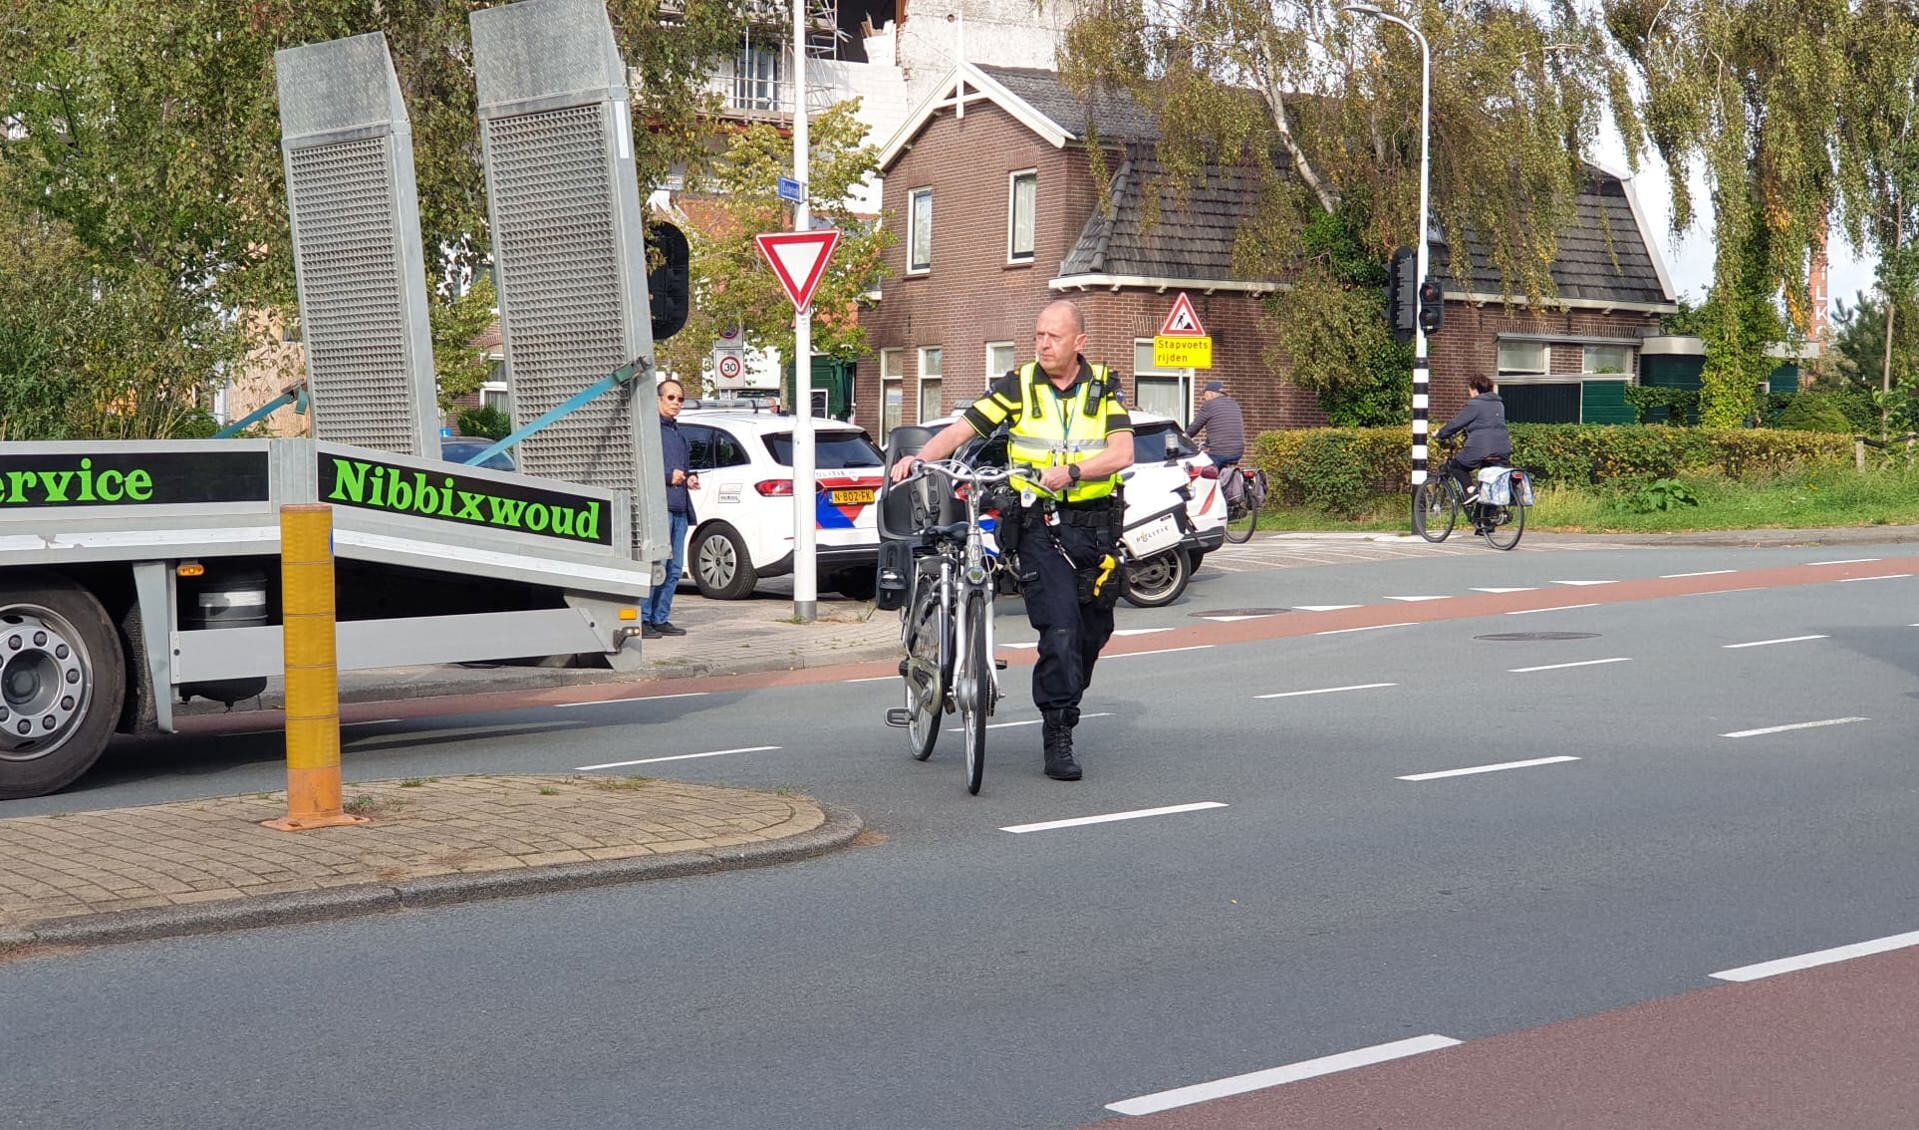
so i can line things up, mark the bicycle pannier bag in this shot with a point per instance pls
(1522, 488)
(1495, 486)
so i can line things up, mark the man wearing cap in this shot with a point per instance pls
(1225, 426)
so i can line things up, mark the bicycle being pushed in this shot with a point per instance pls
(1499, 498)
(947, 624)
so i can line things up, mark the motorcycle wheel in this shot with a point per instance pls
(1158, 580)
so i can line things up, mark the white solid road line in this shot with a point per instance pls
(1138, 631)
(1522, 588)
(676, 757)
(1079, 821)
(1327, 690)
(1323, 607)
(1845, 561)
(1485, 768)
(1763, 643)
(1274, 1076)
(1583, 583)
(879, 678)
(1793, 726)
(1365, 628)
(1234, 619)
(1410, 599)
(1561, 666)
(1818, 957)
(1161, 651)
(1880, 577)
(634, 698)
(1701, 573)
(1027, 722)
(1554, 608)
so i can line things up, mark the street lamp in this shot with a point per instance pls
(1420, 402)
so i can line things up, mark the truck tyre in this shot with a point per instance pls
(62, 682)
(721, 567)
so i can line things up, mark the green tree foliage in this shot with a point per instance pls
(1814, 412)
(147, 131)
(1517, 96)
(458, 367)
(735, 286)
(1341, 350)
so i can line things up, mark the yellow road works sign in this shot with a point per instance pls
(1182, 352)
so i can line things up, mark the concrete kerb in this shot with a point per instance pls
(299, 907)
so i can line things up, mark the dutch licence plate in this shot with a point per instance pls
(1153, 536)
(854, 496)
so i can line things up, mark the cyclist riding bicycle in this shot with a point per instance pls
(1488, 444)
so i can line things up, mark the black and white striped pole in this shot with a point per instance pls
(1421, 403)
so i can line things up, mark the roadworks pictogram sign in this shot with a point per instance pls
(1182, 342)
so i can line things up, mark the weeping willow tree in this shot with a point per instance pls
(1799, 115)
(1327, 105)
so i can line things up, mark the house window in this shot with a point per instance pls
(1523, 358)
(494, 394)
(1167, 392)
(930, 368)
(999, 360)
(892, 391)
(1022, 196)
(919, 230)
(1608, 359)
(759, 73)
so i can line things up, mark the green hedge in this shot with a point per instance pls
(1333, 468)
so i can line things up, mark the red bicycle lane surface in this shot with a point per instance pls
(1829, 1047)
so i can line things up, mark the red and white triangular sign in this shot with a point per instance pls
(799, 259)
(1183, 321)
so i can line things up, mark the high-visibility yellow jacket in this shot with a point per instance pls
(1050, 428)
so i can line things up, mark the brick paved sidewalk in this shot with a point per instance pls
(194, 866)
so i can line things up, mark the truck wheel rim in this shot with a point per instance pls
(44, 682)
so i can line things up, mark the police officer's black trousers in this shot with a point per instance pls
(1071, 634)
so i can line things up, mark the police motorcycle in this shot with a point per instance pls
(1152, 566)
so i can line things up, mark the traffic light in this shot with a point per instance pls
(1432, 306)
(1400, 284)
(668, 274)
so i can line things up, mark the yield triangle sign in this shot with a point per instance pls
(1183, 321)
(799, 260)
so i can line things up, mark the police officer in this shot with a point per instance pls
(1069, 436)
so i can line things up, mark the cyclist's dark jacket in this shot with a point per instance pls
(1483, 419)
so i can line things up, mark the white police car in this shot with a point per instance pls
(744, 505)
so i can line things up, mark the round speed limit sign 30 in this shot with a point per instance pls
(729, 367)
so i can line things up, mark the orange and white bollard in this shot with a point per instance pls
(312, 677)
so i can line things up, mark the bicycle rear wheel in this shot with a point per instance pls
(974, 691)
(1435, 507)
(924, 670)
(1242, 511)
(1508, 523)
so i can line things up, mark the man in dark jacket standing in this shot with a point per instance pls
(675, 456)
(1483, 419)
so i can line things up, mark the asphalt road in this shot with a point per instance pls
(960, 974)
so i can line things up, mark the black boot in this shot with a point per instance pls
(1057, 736)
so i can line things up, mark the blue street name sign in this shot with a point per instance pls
(789, 190)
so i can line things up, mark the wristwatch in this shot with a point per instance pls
(1072, 471)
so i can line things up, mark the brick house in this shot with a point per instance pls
(990, 184)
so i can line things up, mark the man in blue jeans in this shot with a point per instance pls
(680, 479)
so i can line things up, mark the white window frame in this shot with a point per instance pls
(1586, 361)
(891, 376)
(1142, 367)
(1543, 373)
(1013, 254)
(913, 197)
(994, 370)
(501, 389)
(936, 377)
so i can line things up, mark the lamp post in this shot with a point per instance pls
(1420, 384)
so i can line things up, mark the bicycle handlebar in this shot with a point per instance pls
(955, 471)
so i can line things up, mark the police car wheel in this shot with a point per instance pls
(721, 567)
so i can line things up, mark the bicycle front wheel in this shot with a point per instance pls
(924, 671)
(1508, 522)
(1435, 507)
(974, 690)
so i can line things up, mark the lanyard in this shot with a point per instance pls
(1065, 412)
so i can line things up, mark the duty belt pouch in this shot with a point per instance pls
(1007, 531)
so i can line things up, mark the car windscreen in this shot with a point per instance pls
(832, 451)
(1158, 442)
(459, 452)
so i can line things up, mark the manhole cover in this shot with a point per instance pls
(1522, 637)
(1238, 612)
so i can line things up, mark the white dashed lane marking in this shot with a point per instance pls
(1326, 690)
(1764, 643)
(1792, 726)
(1274, 1076)
(1471, 770)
